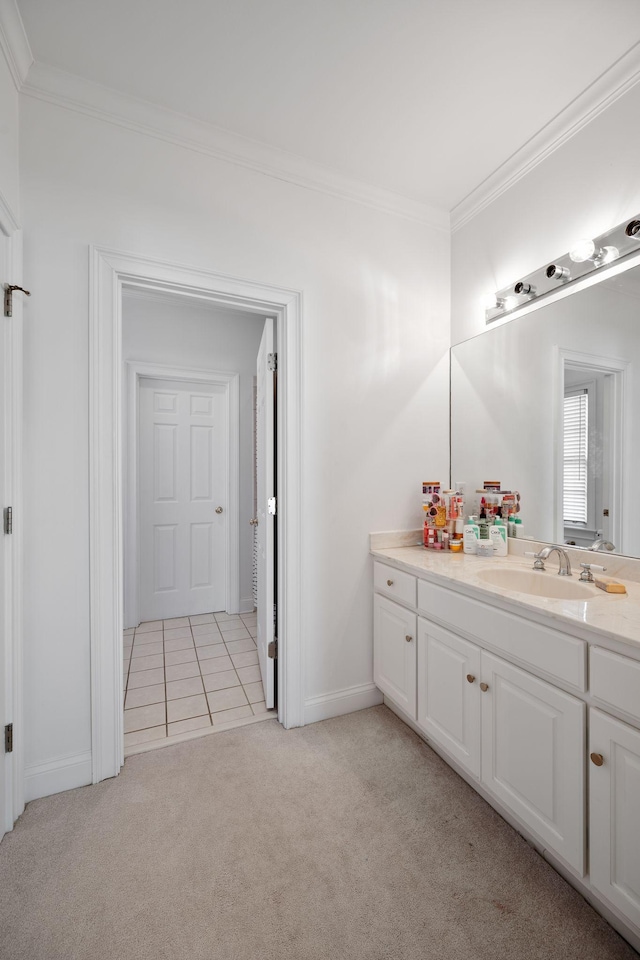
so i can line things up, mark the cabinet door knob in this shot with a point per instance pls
(597, 758)
(389, 583)
(471, 678)
(408, 638)
(484, 687)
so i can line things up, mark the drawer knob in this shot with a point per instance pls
(484, 687)
(597, 758)
(471, 678)
(389, 583)
(408, 638)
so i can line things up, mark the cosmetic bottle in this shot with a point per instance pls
(498, 537)
(471, 535)
(518, 527)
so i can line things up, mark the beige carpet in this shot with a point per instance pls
(346, 839)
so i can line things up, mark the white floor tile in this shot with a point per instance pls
(205, 640)
(142, 696)
(228, 625)
(181, 671)
(254, 692)
(153, 637)
(202, 629)
(221, 681)
(176, 622)
(145, 678)
(139, 718)
(222, 617)
(187, 707)
(259, 707)
(231, 635)
(177, 633)
(202, 618)
(183, 643)
(226, 716)
(212, 652)
(240, 646)
(128, 632)
(245, 659)
(146, 649)
(190, 686)
(180, 656)
(147, 663)
(249, 674)
(217, 665)
(225, 699)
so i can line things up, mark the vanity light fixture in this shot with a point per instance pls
(556, 272)
(585, 257)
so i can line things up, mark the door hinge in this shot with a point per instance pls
(8, 297)
(272, 650)
(272, 362)
(8, 738)
(8, 519)
(272, 506)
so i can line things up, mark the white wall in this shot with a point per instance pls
(193, 335)
(583, 189)
(375, 334)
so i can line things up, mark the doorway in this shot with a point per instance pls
(191, 625)
(111, 274)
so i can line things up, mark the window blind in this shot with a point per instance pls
(576, 452)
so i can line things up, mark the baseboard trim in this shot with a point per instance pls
(247, 605)
(339, 702)
(54, 776)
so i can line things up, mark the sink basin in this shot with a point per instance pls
(539, 583)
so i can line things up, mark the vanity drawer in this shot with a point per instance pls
(394, 583)
(557, 655)
(615, 680)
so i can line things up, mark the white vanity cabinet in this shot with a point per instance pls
(614, 812)
(394, 653)
(522, 736)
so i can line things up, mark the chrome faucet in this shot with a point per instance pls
(564, 564)
(601, 544)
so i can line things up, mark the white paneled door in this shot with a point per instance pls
(5, 547)
(182, 498)
(266, 491)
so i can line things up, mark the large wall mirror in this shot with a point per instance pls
(549, 405)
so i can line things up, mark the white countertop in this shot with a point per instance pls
(615, 616)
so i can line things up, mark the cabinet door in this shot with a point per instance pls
(394, 653)
(614, 812)
(533, 755)
(449, 693)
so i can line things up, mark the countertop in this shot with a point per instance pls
(614, 616)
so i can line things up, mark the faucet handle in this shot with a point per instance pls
(539, 561)
(586, 576)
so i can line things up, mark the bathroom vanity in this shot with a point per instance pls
(532, 697)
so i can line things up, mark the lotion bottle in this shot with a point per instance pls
(471, 536)
(498, 537)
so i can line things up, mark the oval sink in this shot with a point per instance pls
(539, 583)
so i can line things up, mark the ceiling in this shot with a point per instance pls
(422, 97)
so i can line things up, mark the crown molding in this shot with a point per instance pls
(597, 97)
(14, 43)
(103, 103)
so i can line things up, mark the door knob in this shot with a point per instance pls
(471, 678)
(408, 638)
(254, 522)
(218, 509)
(389, 583)
(484, 687)
(597, 758)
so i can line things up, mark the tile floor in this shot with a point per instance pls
(188, 674)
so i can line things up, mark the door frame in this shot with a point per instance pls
(109, 271)
(136, 371)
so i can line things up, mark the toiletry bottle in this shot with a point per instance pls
(471, 535)
(518, 527)
(498, 537)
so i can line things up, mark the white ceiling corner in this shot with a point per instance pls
(604, 91)
(14, 43)
(67, 90)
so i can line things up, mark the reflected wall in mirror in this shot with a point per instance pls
(549, 404)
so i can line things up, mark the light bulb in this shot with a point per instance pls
(609, 254)
(490, 301)
(583, 250)
(511, 302)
